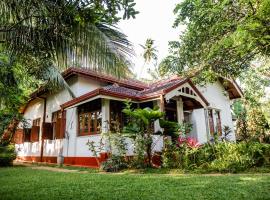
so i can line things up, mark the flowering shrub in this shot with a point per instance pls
(189, 141)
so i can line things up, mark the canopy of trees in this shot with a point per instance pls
(221, 37)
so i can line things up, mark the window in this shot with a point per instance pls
(218, 123)
(214, 122)
(171, 110)
(90, 118)
(211, 122)
(35, 130)
(27, 134)
(58, 124)
(118, 119)
(36, 122)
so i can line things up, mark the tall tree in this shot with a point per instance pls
(149, 53)
(221, 37)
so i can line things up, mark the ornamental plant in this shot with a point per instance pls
(140, 127)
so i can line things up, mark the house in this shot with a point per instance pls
(60, 126)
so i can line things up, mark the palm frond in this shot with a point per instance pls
(50, 29)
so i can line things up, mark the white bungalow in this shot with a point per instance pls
(60, 125)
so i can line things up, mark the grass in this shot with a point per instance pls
(27, 183)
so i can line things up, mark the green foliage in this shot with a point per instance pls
(219, 157)
(73, 32)
(174, 129)
(251, 122)
(114, 164)
(141, 129)
(116, 147)
(221, 37)
(7, 155)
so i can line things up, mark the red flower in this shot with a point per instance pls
(181, 140)
(192, 142)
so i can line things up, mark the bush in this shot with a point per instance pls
(114, 164)
(7, 155)
(219, 157)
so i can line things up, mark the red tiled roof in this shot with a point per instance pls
(122, 92)
(129, 83)
(124, 88)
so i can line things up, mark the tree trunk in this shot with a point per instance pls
(9, 131)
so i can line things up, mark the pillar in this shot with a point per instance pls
(160, 104)
(105, 110)
(180, 110)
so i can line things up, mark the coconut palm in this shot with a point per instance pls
(149, 53)
(58, 34)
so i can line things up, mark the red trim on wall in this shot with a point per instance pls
(46, 159)
(86, 161)
(82, 161)
(77, 161)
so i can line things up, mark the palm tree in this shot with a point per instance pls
(149, 53)
(53, 35)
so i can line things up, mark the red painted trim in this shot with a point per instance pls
(175, 86)
(47, 159)
(129, 83)
(193, 87)
(92, 162)
(101, 91)
(76, 161)
(198, 92)
(86, 161)
(81, 98)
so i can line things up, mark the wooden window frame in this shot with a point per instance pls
(36, 123)
(211, 122)
(59, 124)
(218, 122)
(82, 132)
(215, 126)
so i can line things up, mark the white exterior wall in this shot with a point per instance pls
(199, 130)
(34, 110)
(218, 99)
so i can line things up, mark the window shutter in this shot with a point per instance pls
(47, 131)
(27, 134)
(219, 127)
(35, 134)
(211, 122)
(57, 128)
(18, 136)
(63, 125)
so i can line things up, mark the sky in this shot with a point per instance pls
(154, 21)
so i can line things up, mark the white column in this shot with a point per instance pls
(105, 110)
(180, 110)
(158, 103)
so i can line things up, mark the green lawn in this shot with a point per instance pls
(27, 183)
